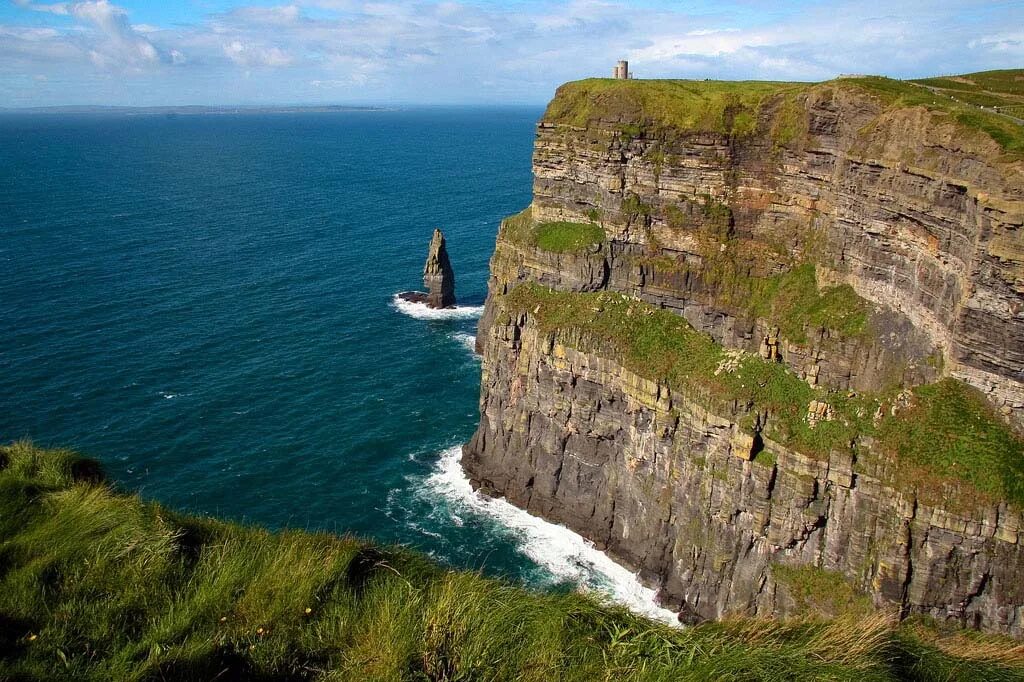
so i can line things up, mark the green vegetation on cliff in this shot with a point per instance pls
(793, 300)
(964, 110)
(728, 107)
(98, 585)
(736, 107)
(946, 441)
(565, 237)
(948, 431)
(795, 303)
(556, 237)
(816, 590)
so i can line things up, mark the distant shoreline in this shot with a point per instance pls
(188, 110)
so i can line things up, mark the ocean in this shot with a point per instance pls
(206, 304)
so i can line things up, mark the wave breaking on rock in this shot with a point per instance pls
(566, 555)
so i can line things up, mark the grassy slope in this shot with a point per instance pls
(988, 88)
(896, 94)
(688, 106)
(103, 586)
(733, 107)
(948, 443)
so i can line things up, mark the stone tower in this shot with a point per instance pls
(621, 70)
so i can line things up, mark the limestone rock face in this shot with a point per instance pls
(924, 224)
(438, 277)
(670, 490)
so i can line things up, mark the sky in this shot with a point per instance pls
(171, 52)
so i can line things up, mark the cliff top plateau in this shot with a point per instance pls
(989, 102)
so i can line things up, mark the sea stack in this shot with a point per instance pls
(438, 277)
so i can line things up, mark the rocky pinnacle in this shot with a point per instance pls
(438, 277)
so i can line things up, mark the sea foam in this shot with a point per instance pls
(568, 556)
(467, 341)
(422, 312)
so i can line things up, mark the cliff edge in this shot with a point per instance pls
(752, 334)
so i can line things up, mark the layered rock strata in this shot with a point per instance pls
(910, 229)
(672, 490)
(438, 277)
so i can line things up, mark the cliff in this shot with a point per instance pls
(747, 330)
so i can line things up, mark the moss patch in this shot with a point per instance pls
(794, 302)
(557, 237)
(821, 591)
(518, 228)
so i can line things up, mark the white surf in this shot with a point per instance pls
(565, 554)
(421, 311)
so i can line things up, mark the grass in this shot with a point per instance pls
(99, 585)
(1004, 84)
(565, 237)
(947, 443)
(739, 108)
(820, 591)
(519, 228)
(948, 432)
(794, 302)
(728, 107)
(896, 94)
(557, 237)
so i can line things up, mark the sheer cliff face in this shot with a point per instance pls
(919, 221)
(912, 232)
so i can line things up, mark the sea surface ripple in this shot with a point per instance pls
(206, 304)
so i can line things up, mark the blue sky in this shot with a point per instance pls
(147, 52)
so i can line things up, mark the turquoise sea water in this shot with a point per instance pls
(205, 304)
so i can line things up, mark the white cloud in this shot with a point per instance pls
(1009, 43)
(475, 50)
(52, 8)
(115, 44)
(247, 54)
(271, 16)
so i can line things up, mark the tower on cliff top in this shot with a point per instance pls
(621, 70)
